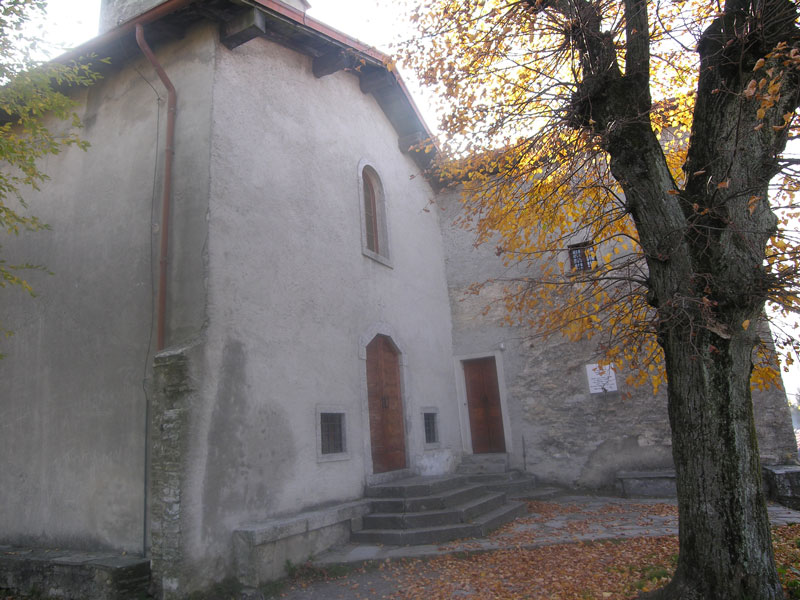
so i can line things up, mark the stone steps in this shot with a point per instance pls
(479, 527)
(513, 483)
(411, 487)
(492, 471)
(430, 510)
(440, 501)
(475, 464)
(431, 518)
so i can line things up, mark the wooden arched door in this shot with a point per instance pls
(384, 391)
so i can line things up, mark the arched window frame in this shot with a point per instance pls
(372, 208)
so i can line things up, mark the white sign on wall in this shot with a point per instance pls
(601, 379)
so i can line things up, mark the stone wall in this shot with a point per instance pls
(173, 390)
(75, 378)
(561, 432)
(64, 574)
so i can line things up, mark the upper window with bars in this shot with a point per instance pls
(581, 256)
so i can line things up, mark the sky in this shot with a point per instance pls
(71, 22)
(376, 22)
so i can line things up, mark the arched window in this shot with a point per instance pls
(374, 234)
(370, 212)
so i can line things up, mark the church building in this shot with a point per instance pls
(258, 308)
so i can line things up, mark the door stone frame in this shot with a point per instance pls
(461, 398)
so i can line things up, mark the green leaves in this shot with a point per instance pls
(32, 94)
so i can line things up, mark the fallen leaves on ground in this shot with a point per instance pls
(608, 569)
(786, 542)
(585, 570)
(617, 569)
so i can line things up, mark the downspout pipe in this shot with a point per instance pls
(169, 155)
(161, 304)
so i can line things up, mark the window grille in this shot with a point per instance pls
(431, 433)
(332, 432)
(370, 214)
(581, 256)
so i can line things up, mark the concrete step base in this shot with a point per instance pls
(472, 464)
(513, 483)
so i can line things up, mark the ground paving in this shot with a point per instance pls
(565, 519)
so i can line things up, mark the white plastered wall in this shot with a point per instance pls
(292, 296)
(75, 381)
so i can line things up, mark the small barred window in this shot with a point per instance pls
(581, 256)
(431, 432)
(332, 432)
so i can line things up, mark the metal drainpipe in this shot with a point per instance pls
(169, 154)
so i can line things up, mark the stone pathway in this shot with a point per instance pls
(566, 519)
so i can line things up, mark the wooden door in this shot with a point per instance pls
(386, 429)
(483, 401)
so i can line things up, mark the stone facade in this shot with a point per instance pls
(56, 573)
(173, 391)
(560, 431)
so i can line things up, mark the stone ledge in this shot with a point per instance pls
(262, 549)
(277, 529)
(653, 484)
(782, 484)
(73, 574)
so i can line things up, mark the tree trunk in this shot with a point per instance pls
(725, 543)
(705, 250)
(706, 291)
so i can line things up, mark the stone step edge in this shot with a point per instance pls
(470, 487)
(462, 508)
(416, 489)
(478, 521)
(478, 527)
(505, 476)
(485, 457)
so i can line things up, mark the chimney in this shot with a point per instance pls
(300, 5)
(115, 12)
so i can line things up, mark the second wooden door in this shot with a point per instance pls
(483, 401)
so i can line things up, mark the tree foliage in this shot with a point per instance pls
(32, 95)
(516, 87)
(654, 134)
